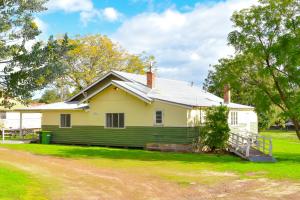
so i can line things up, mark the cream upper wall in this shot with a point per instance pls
(247, 120)
(111, 100)
(140, 113)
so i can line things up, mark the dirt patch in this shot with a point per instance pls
(74, 179)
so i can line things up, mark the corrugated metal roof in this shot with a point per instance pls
(174, 91)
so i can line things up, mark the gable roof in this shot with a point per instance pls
(173, 91)
(125, 85)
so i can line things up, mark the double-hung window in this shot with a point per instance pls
(158, 117)
(65, 121)
(234, 118)
(115, 120)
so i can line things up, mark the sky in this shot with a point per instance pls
(185, 36)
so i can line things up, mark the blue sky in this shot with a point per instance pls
(186, 37)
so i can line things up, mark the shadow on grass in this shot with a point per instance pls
(287, 157)
(143, 155)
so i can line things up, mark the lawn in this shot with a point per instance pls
(16, 184)
(286, 149)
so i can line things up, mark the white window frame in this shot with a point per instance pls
(105, 120)
(65, 119)
(234, 118)
(162, 118)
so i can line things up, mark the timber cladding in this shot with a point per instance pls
(126, 137)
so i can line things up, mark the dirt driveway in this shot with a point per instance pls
(74, 179)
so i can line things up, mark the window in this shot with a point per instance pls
(65, 121)
(114, 120)
(234, 118)
(158, 117)
(2, 115)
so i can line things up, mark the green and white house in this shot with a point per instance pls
(124, 109)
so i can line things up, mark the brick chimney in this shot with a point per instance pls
(227, 95)
(150, 77)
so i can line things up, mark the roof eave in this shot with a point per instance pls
(96, 82)
(147, 100)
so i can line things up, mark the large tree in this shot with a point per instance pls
(50, 96)
(229, 71)
(94, 55)
(25, 69)
(267, 39)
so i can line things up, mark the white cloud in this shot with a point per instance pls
(111, 14)
(43, 26)
(88, 16)
(70, 5)
(86, 9)
(184, 44)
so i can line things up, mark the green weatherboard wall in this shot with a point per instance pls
(129, 136)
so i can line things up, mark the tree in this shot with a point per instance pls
(93, 56)
(267, 40)
(229, 71)
(50, 96)
(26, 69)
(215, 132)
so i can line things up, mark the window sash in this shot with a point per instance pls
(158, 117)
(234, 118)
(115, 120)
(2, 115)
(65, 120)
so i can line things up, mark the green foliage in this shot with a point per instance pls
(50, 96)
(266, 39)
(95, 55)
(26, 68)
(215, 132)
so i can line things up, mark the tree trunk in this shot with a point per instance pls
(297, 127)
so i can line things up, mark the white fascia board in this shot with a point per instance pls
(174, 103)
(96, 82)
(147, 100)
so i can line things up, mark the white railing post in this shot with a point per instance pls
(237, 141)
(270, 147)
(248, 147)
(264, 144)
(3, 135)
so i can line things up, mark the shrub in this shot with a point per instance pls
(215, 133)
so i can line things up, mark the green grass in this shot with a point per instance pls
(179, 167)
(16, 184)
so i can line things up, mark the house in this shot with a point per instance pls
(10, 119)
(124, 109)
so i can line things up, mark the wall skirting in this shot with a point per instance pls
(127, 137)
